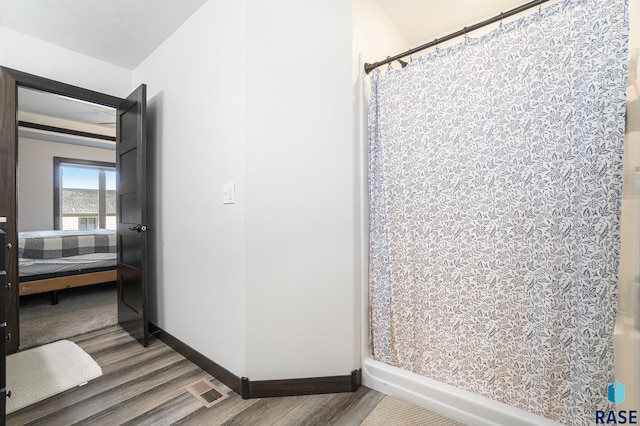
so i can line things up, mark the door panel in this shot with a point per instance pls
(3, 327)
(132, 228)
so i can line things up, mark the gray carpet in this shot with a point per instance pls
(78, 311)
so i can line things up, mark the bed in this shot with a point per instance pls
(55, 260)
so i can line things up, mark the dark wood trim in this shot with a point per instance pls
(57, 195)
(36, 126)
(356, 379)
(246, 391)
(83, 162)
(211, 367)
(261, 388)
(52, 86)
(8, 204)
(306, 386)
(102, 199)
(3, 325)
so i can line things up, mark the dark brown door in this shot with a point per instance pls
(132, 215)
(3, 326)
(8, 222)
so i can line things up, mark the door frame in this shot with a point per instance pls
(10, 80)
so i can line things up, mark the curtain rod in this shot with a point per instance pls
(370, 67)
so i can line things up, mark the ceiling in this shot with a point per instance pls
(35, 106)
(121, 32)
(421, 21)
(49, 104)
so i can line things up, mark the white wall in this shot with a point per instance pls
(265, 286)
(374, 35)
(260, 95)
(300, 211)
(34, 56)
(196, 109)
(35, 178)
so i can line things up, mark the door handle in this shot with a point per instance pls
(138, 228)
(9, 246)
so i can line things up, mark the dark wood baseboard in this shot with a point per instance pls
(306, 386)
(261, 388)
(211, 367)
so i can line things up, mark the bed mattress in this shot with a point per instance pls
(57, 244)
(29, 267)
(51, 252)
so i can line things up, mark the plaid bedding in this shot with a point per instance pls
(57, 244)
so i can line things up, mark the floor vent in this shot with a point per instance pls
(206, 392)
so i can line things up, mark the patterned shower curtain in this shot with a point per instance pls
(495, 187)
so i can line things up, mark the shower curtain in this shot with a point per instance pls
(495, 187)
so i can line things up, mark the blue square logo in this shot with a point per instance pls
(615, 393)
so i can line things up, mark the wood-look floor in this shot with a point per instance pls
(145, 386)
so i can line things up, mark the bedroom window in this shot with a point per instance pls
(84, 194)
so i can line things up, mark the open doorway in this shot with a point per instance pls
(66, 216)
(131, 198)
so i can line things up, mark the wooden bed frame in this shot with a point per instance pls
(68, 281)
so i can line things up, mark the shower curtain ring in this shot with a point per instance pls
(389, 63)
(501, 17)
(435, 40)
(466, 37)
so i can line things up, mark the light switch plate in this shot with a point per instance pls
(228, 193)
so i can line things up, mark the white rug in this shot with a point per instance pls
(38, 373)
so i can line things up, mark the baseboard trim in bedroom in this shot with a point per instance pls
(248, 389)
